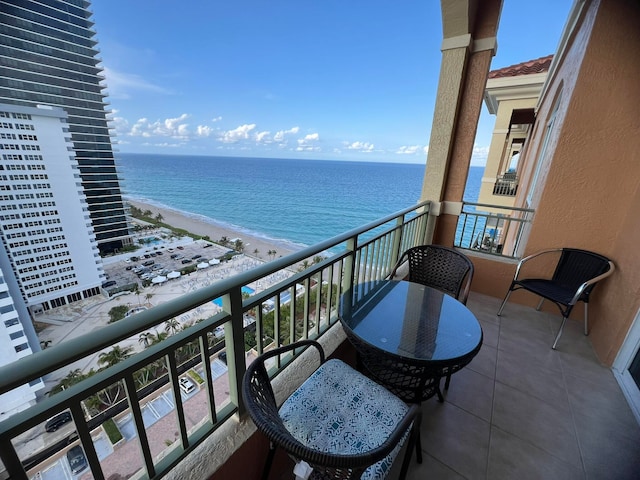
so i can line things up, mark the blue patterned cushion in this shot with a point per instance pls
(338, 410)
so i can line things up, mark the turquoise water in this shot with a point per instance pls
(249, 290)
(299, 202)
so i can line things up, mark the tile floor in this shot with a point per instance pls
(521, 410)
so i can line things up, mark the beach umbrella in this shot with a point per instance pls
(203, 265)
(173, 274)
(215, 261)
(159, 279)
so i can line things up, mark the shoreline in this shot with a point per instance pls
(216, 232)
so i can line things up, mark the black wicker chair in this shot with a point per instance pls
(338, 421)
(576, 274)
(442, 268)
(439, 267)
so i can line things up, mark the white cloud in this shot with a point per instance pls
(237, 134)
(263, 137)
(365, 147)
(169, 127)
(410, 150)
(479, 155)
(280, 136)
(204, 131)
(120, 84)
(217, 119)
(309, 143)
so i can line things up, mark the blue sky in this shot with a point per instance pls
(334, 80)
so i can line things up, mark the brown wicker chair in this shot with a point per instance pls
(338, 421)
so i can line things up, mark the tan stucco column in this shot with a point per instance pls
(466, 60)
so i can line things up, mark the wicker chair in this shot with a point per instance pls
(439, 267)
(442, 268)
(338, 421)
(575, 275)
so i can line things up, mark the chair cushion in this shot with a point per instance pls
(338, 410)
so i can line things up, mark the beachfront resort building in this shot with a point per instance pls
(48, 56)
(45, 226)
(17, 340)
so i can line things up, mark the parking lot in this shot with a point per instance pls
(160, 259)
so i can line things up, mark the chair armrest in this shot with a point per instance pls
(586, 284)
(293, 346)
(531, 257)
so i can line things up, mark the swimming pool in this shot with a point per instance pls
(250, 291)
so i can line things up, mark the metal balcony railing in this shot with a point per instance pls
(506, 185)
(123, 403)
(492, 229)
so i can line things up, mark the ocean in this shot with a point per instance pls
(294, 202)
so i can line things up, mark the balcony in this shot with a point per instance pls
(519, 409)
(506, 185)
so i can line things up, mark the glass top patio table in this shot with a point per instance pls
(413, 322)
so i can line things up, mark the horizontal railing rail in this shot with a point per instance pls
(295, 304)
(492, 229)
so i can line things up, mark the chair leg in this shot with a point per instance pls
(540, 304)
(564, 319)
(586, 318)
(418, 438)
(504, 302)
(269, 461)
(412, 441)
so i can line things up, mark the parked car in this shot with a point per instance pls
(180, 247)
(195, 257)
(186, 385)
(77, 460)
(129, 267)
(223, 357)
(207, 245)
(186, 260)
(158, 253)
(108, 284)
(174, 255)
(57, 421)
(148, 263)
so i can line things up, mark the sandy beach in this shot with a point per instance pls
(215, 232)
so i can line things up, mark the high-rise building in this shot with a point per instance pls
(48, 57)
(17, 339)
(45, 226)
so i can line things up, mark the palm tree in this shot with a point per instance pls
(137, 292)
(114, 356)
(272, 253)
(146, 339)
(172, 326)
(238, 246)
(159, 217)
(317, 259)
(304, 265)
(256, 252)
(147, 213)
(148, 297)
(224, 241)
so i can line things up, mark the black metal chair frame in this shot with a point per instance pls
(574, 278)
(259, 399)
(443, 268)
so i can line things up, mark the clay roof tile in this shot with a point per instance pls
(538, 65)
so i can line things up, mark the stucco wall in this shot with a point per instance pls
(590, 198)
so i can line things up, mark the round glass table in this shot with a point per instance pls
(408, 336)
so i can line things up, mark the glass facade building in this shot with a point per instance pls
(48, 56)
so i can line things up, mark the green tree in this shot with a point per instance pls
(159, 217)
(114, 356)
(224, 241)
(117, 313)
(148, 298)
(145, 338)
(238, 246)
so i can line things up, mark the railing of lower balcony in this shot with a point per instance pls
(506, 185)
(492, 229)
(138, 400)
